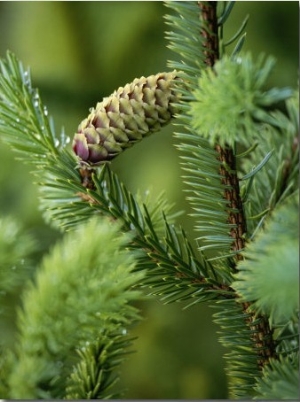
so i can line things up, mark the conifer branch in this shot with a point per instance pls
(261, 333)
(82, 294)
(24, 121)
(255, 328)
(70, 199)
(170, 259)
(93, 376)
(228, 172)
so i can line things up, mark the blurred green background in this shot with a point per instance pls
(79, 52)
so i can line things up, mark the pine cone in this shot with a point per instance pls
(125, 117)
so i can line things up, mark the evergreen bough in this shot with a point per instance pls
(239, 155)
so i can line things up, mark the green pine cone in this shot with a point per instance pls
(125, 117)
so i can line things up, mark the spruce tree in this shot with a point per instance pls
(239, 148)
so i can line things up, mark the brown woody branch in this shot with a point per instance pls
(259, 326)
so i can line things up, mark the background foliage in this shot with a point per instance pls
(80, 52)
